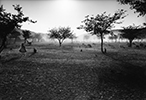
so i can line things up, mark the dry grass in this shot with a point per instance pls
(66, 73)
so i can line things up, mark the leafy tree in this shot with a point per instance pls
(138, 5)
(131, 32)
(142, 34)
(8, 22)
(101, 24)
(15, 34)
(26, 35)
(60, 34)
(72, 37)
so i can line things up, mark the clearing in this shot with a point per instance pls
(67, 73)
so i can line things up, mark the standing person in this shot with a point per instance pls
(22, 49)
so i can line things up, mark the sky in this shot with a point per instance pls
(63, 13)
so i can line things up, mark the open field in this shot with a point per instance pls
(66, 73)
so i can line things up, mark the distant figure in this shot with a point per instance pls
(22, 48)
(81, 50)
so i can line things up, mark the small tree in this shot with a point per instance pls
(60, 34)
(101, 24)
(138, 5)
(72, 37)
(26, 35)
(9, 21)
(131, 32)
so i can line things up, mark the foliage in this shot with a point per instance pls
(9, 21)
(138, 5)
(131, 32)
(15, 34)
(72, 36)
(26, 35)
(101, 24)
(60, 34)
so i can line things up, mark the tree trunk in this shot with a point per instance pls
(25, 40)
(101, 42)
(3, 44)
(130, 43)
(102, 49)
(60, 43)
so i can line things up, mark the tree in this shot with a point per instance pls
(141, 33)
(26, 35)
(138, 5)
(60, 34)
(131, 32)
(8, 22)
(72, 37)
(101, 24)
(15, 34)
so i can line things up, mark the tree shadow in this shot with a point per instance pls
(124, 72)
(4, 61)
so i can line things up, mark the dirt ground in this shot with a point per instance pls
(73, 72)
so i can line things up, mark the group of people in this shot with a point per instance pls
(23, 49)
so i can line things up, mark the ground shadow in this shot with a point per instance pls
(4, 61)
(125, 72)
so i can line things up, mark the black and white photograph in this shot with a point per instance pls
(72, 49)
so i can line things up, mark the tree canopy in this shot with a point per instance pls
(60, 34)
(131, 32)
(102, 23)
(9, 21)
(26, 35)
(138, 5)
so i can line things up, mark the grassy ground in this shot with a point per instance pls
(66, 73)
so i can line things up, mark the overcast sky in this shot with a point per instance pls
(55, 13)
